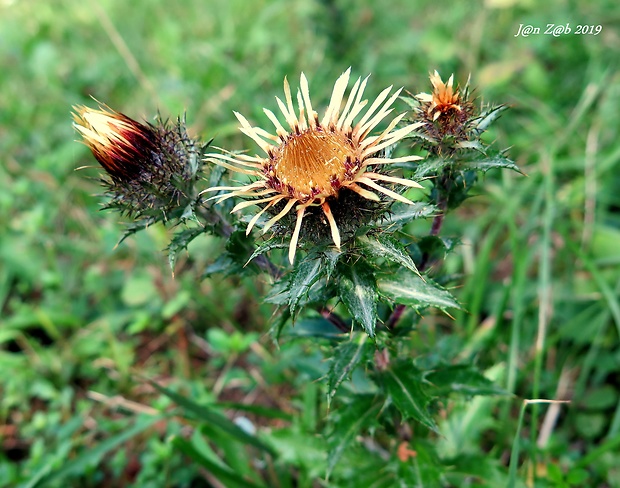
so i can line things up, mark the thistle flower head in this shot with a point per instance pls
(309, 163)
(446, 115)
(443, 99)
(151, 168)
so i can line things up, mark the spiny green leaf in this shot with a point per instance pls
(357, 289)
(180, 241)
(401, 214)
(386, 247)
(411, 101)
(489, 162)
(345, 358)
(403, 383)
(431, 167)
(477, 145)
(265, 247)
(306, 273)
(234, 259)
(308, 280)
(215, 176)
(403, 286)
(487, 118)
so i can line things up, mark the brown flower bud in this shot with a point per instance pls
(152, 168)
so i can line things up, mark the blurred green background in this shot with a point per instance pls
(82, 320)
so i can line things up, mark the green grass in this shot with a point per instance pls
(84, 324)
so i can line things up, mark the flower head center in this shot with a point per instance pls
(314, 162)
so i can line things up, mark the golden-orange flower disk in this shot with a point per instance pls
(443, 99)
(317, 157)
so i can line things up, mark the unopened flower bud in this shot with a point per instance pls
(152, 168)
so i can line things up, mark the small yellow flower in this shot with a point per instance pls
(119, 143)
(312, 161)
(443, 99)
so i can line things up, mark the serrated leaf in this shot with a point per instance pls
(134, 227)
(477, 145)
(487, 163)
(401, 214)
(189, 214)
(180, 241)
(462, 379)
(346, 356)
(403, 286)
(357, 289)
(403, 383)
(266, 247)
(488, 117)
(279, 293)
(215, 175)
(234, 259)
(386, 247)
(308, 280)
(305, 274)
(411, 101)
(431, 167)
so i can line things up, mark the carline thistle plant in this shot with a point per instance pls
(325, 183)
(338, 190)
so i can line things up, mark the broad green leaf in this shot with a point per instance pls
(220, 471)
(215, 418)
(345, 358)
(229, 450)
(386, 247)
(403, 383)
(403, 286)
(600, 398)
(462, 379)
(357, 289)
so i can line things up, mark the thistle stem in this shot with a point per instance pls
(334, 319)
